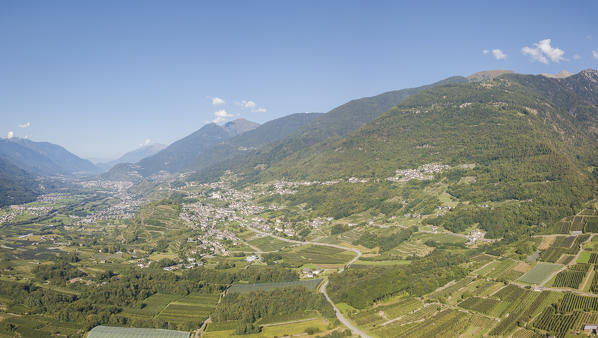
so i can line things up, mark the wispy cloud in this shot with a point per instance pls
(216, 101)
(146, 142)
(576, 57)
(25, 125)
(10, 134)
(221, 116)
(544, 52)
(595, 54)
(252, 106)
(498, 54)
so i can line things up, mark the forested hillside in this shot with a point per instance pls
(16, 186)
(526, 141)
(334, 124)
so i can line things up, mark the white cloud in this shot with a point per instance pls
(543, 51)
(498, 54)
(595, 54)
(248, 104)
(485, 51)
(221, 116)
(10, 134)
(25, 125)
(252, 106)
(576, 57)
(216, 101)
(146, 142)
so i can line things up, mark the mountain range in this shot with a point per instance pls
(43, 158)
(523, 128)
(528, 144)
(22, 160)
(133, 156)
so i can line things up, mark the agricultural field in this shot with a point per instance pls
(584, 257)
(319, 255)
(439, 237)
(311, 284)
(268, 243)
(539, 273)
(569, 279)
(435, 325)
(572, 302)
(191, 308)
(153, 305)
(556, 322)
(345, 238)
(562, 245)
(403, 309)
(299, 328)
(410, 248)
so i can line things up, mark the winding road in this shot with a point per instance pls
(322, 289)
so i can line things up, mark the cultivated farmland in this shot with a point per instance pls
(539, 273)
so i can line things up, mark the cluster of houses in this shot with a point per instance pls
(14, 211)
(425, 172)
(210, 241)
(475, 235)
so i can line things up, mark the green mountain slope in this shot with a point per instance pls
(516, 152)
(16, 185)
(337, 123)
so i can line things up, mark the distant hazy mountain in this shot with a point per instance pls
(183, 152)
(133, 156)
(43, 158)
(234, 148)
(16, 185)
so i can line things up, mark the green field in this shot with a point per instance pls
(153, 305)
(192, 308)
(584, 257)
(269, 243)
(314, 254)
(244, 288)
(439, 237)
(275, 330)
(539, 273)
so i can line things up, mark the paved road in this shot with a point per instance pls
(339, 314)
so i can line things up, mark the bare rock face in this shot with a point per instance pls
(590, 74)
(560, 75)
(487, 75)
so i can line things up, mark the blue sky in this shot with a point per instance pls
(101, 78)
